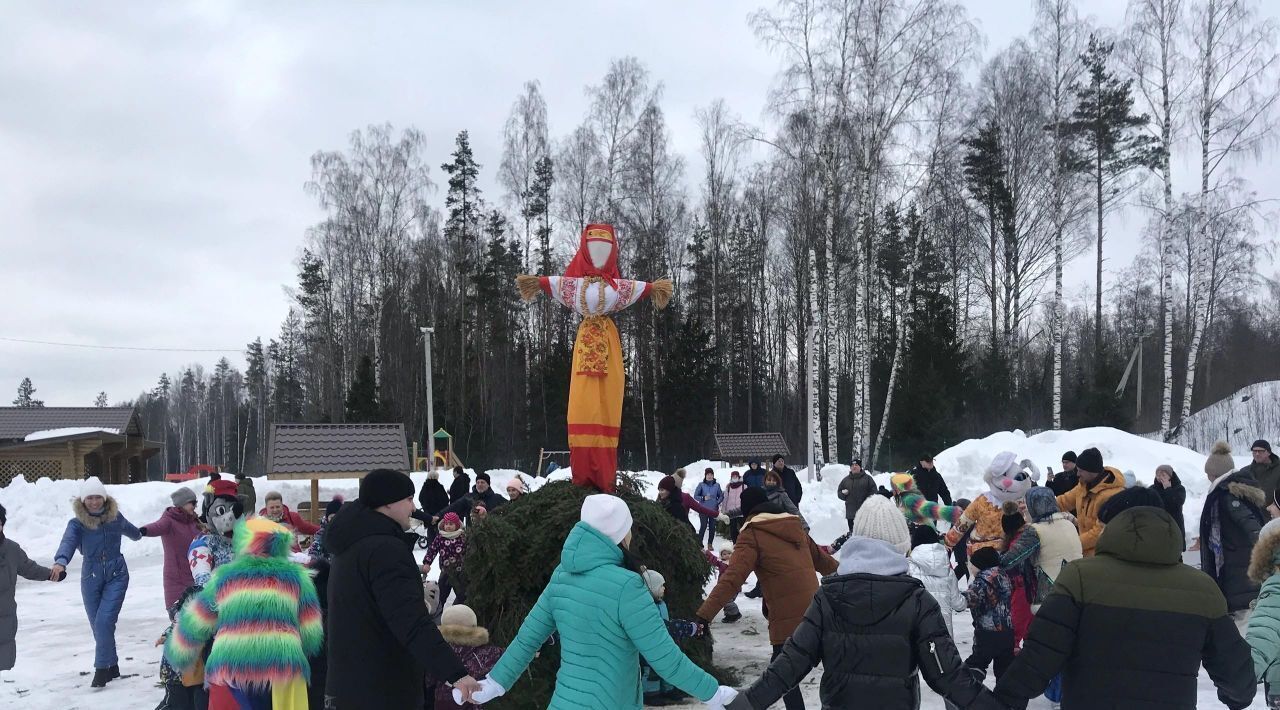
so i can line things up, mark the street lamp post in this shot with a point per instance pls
(426, 356)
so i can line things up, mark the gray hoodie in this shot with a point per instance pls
(864, 555)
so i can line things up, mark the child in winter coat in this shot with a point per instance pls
(1022, 580)
(259, 589)
(182, 691)
(720, 563)
(317, 549)
(657, 691)
(449, 544)
(1263, 631)
(989, 599)
(470, 642)
(14, 563)
(928, 563)
(733, 503)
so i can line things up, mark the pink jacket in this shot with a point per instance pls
(290, 519)
(176, 529)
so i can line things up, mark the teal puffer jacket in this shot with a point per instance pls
(607, 620)
(1263, 634)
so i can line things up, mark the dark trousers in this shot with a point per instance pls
(180, 697)
(450, 581)
(793, 700)
(989, 647)
(735, 525)
(850, 521)
(708, 529)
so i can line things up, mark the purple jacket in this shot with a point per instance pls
(176, 529)
(471, 644)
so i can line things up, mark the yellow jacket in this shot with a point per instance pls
(1085, 502)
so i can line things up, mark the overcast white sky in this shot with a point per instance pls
(153, 155)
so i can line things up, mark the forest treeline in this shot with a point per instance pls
(909, 203)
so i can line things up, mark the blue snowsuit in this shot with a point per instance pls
(104, 576)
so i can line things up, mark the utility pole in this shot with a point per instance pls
(431, 414)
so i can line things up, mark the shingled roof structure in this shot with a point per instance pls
(74, 442)
(313, 451)
(742, 447)
(18, 422)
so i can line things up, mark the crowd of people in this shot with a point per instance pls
(1076, 590)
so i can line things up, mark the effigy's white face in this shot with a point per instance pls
(599, 252)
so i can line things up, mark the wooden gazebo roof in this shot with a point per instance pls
(741, 447)
(315, 451)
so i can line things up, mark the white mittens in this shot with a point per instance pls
(489, 689)
(723, 517)
(724, 695)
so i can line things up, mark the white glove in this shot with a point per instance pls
(723, 517)
(489, 689)
(724, 695)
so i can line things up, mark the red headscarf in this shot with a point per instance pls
(581, 265)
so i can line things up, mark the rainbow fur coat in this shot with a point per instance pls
(261, 611)
(918, 509)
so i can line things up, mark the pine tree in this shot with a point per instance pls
(463, 205)
(101, 400)
(984, 172)
(26, 395)
(538, 210)
(1107, 143)
(362, 398)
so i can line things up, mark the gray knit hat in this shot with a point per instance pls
(182, 496)
(1219, 462)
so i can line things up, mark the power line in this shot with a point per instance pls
(122, 347)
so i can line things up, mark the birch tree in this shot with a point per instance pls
(1058, 34)
(1235, 66)
(1155, 58)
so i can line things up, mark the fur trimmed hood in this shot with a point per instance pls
(471, 636)
(1246, 491)
(110, 510)
(1266, 553)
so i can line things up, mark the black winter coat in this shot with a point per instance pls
(791, 484)
(1063, 482)
(1129, 628)
(871, 633)
(381, 640)
(1173, 497)
(931, 485)
(433, 498)
(1237, 506)
(459, 487)
(490, 499)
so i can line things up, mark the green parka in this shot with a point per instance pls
(606, 619)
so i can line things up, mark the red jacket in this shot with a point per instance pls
(291, 519)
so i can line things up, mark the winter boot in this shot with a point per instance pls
(731, 613)
(101, 676)
(754, 593)
(114, 671)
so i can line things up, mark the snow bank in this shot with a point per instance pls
(67, 431)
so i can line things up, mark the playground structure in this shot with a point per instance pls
(442, 454)
(545, 455)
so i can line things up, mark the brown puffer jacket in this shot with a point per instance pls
(1085, 502)
(786, 561)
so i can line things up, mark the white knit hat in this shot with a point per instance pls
(607, 514)
(458, 615)
(880, 519)
(655, 582)
(92, 487)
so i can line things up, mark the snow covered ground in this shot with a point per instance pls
(1256, 417)
(55, 649)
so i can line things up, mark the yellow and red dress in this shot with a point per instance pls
(597, 380)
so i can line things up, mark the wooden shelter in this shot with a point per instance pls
(74, 442)
(301, 452)
(739, 448)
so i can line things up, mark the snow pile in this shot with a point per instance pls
(1256, 417)
(963, 465)
(68, 431)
